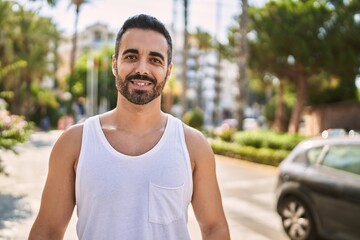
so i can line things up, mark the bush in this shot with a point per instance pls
(249, 138)
(194, 118)
(225, 133)
(13, 128)
(266, 156)
(267, 139)
(260, 146)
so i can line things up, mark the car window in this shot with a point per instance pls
(300, 158)
(313, 154)
(343, 157)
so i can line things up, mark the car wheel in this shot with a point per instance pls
(296, 219)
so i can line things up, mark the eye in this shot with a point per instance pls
(130, 57)
(155, 60)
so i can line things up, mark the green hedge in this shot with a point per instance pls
(260, 146)
(267, 139)
(266, 156)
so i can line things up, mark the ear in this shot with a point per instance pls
(114, 65)
(169, 71)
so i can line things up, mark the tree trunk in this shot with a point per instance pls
(217, 110)
(279, 124)
(74, 46)
(199, 80)
(242, 53)
(185, 58)
(301, 94)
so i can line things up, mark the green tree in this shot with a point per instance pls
(286, 44)
(342, 60)
(26, 37)
(311, 44)
(201, 42)
(77, 4)
(13, 128)
(102, 66)
(297, 40)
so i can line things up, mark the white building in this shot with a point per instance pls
(92, 38)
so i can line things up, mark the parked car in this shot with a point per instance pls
(333, 132)
(318, 190)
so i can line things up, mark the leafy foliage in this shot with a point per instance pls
(312, 42)
(315, 36)
(14, 129)
(267, 139)
(102, 65)
(26, 39)
(259, 146)
(266, 156)
(194, 118)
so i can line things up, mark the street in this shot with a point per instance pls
(247, 191)
(248, 199)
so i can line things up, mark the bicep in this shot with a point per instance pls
(206, 199)
(58, 198)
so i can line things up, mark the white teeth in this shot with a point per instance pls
(141, 84)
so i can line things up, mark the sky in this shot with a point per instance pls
(202, 13)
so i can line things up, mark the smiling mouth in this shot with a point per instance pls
(141, 83)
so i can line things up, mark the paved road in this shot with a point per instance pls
(247, 191)
(248, 199)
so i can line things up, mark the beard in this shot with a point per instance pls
(139, 97)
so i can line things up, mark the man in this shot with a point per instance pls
(133, 171)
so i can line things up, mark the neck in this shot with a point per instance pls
(138, 117)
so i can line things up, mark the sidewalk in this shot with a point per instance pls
(20, 193)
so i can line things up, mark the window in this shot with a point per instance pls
(343, 157)
(313, 154)
(97, 36)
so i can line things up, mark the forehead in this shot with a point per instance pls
(144, 41)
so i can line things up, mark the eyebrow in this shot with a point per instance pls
(152, 53)
(130, 50)
(157, 54)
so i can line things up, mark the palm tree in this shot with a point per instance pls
(203, 42)
(20, 29)
(77, 4)
(185, 58)
(217, 113)
(51, 3)
(242, 59)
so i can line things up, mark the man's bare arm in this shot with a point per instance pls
(206, 199)
(58, 198)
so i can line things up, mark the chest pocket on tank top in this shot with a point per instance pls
(165, 203)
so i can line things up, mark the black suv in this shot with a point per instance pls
(318, 190)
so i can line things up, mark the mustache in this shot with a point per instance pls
(141, 77)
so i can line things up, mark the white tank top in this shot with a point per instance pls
(143, 197)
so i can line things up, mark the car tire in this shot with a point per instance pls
(296, 219)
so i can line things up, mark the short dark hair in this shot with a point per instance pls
(144, 21)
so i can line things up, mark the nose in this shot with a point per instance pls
(141, 67)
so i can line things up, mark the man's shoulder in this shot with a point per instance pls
(194, 138)
(192, 133)
(73, 134)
